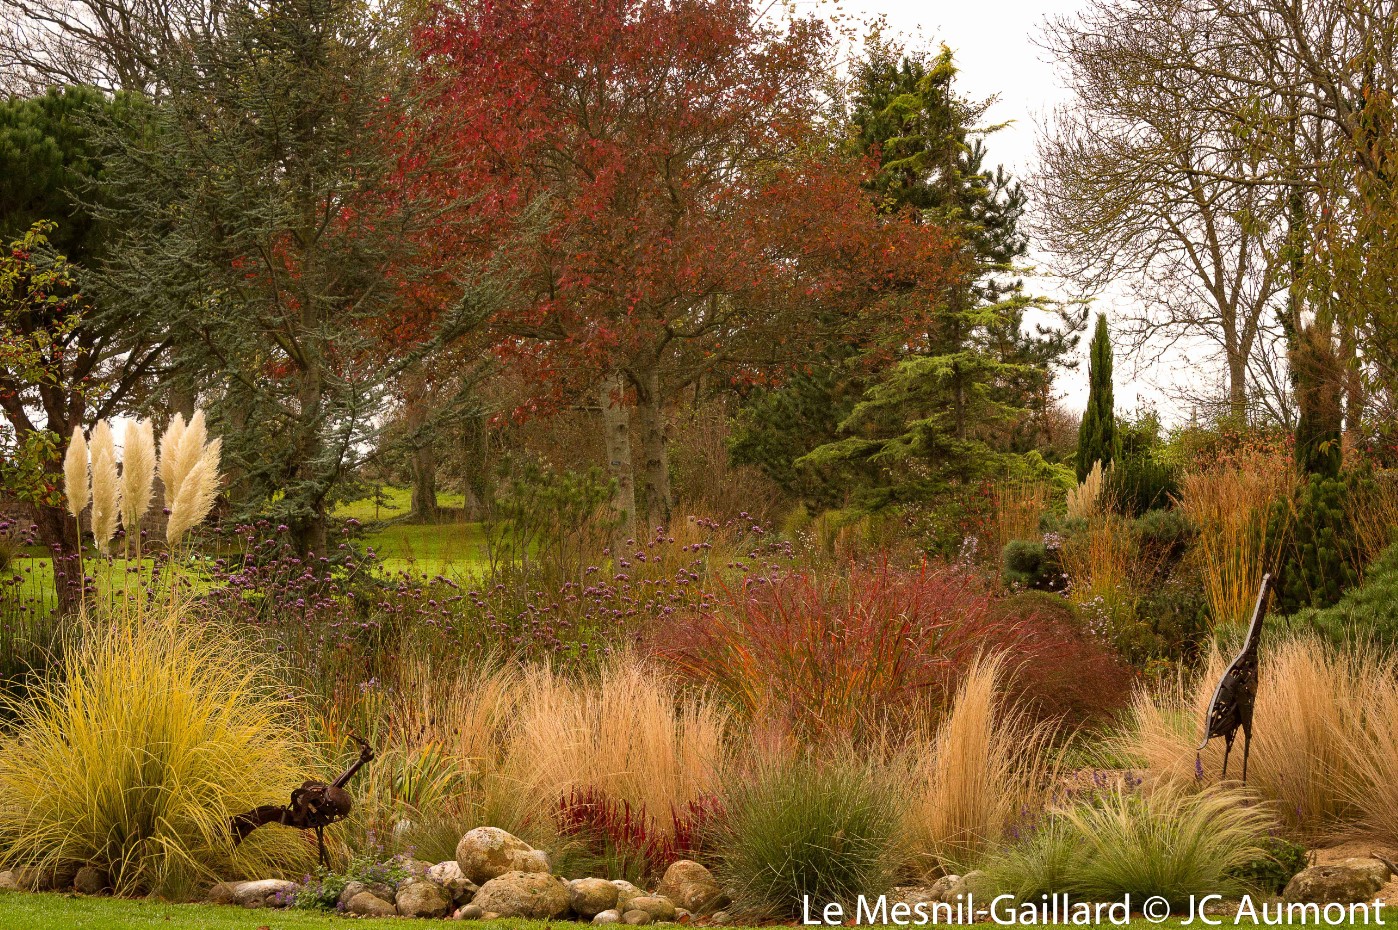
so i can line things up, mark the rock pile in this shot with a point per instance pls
(496, 874)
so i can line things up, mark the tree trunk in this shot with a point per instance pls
(616, 430)
(425, 484)
(1237, 387)
(58, 532)
(650, 406)
(475, 468)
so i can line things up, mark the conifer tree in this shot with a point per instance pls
(1098, 440)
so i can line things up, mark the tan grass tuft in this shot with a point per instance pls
(106, 486)
(137, 473)
(1084, 501)
(985, 766)
(75, 475)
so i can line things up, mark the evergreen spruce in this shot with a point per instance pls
(1097, 437)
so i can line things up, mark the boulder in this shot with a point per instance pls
(683, 916)
(8, 882)
(591, 896)
(265, 892)
(626, 893)
(977, 884)
(611, 916)
(536, 895)
(692, 887)
(449, 875)
(222, 893)
(489, 852)
(636, 918)
(939, 889)
(659, 907)
(367, 904)
(469, 912)
(91, 880)
(380, 890)
(1346, 882)
(720, 919)
(422, 897)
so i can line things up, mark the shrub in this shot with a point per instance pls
(322, 890)
(1279, 860)
(1164, 536)
(820, 828)
(1366, 614)
(1137, 484)
(1167, 842)
(1030, 564)
(985, 767)
(1319, 560)
(135, 758)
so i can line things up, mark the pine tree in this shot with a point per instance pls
(1097, 437)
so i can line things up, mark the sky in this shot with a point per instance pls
(994, 42)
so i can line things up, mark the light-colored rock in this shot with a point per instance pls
(942, 887)
(720, 918)
(626, 893)
(8, 882)
(380, 890)
(636, 918)
(536, 895)
(469, 912)
(449, 875)
(659, 907)
(610, 916)
(692, 887)
(422, 897)
(264, 892)
(591, 896)
(489, 852)
(1346, 882)
(91, 880)
(222, 893)
(367, 904)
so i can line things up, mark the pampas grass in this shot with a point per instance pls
(137, 475)
(985, 768)
(169, 457)
(197, 492)
(1084, 500)
(106, 486)
(75, 476)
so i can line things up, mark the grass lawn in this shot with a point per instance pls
(19, 911)
(393, 502)
(451, 549)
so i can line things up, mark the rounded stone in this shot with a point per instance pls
(266, 892)
(1347, 882)
(626, 893)
(535, 895)
(367, 904)
(486, 853)
(610, 916)
(422, 897)
(636, 918)
(469, 912)
(659, 908)
(591, 896)
(91, 880)
(692, 887)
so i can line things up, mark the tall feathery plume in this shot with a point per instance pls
(75, 478)
(137, 475)
(197, 492)
(185, 455)
(169, 443)
(106, 486)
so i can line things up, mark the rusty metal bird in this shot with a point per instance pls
(1233, 700)
(314, 806)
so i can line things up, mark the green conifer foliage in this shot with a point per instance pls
(1097, 437)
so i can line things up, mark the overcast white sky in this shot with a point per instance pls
(996, 51)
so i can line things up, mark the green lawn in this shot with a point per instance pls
(451, 549)
(393, 502)
(19, 911)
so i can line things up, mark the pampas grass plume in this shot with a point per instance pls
(197, 492)
(170, 442)
(137, 473)
(75, 476)
(106, 486)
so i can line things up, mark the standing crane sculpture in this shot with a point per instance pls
(314, 806)
(1236, 694)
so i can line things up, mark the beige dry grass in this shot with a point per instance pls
(1084, 501)
(1231, 505)
(106, 486)
(1019, 506)
(169, 456)
(137, 474)
(984, 766)
(1324, 736)
(197, 492)
(75, 475)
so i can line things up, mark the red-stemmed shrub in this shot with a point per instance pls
(627, 842)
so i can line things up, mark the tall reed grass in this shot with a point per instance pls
(1100, 562)
(1018, 508)
(133, 758)
(1230, 504)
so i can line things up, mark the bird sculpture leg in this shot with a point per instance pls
(1247, 745)
(1227, 749)
(320, 841)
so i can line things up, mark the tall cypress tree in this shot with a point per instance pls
(1098, 440)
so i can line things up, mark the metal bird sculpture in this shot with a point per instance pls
(1236, 694)
(314, 806)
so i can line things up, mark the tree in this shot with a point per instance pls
(1138, 185)
(272, 219)
(941, 410)
(1098, 441)
(669, 150)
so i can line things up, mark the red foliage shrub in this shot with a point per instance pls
(627, 841)
(852, 654)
